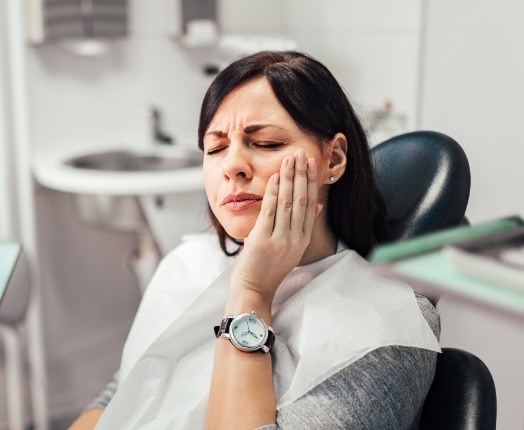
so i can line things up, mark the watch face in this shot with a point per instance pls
(248, 332)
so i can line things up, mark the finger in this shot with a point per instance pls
(285, 196)
(311, 209)
(266, 217)
(300, 193)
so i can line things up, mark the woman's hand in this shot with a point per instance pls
(283, 228)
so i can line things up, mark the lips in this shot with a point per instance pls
(237, 202)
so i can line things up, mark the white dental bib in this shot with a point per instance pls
(325, 316)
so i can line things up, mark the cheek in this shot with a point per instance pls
(210, 182)
(268, 166)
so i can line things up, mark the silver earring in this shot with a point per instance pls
(332, 179)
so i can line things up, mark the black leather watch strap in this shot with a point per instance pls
(223, 327)
(270, 340)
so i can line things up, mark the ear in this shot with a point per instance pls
(337, 158)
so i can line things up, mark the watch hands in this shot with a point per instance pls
(249, 330)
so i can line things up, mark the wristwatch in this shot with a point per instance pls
(248, 332)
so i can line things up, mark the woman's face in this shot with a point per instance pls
(244, 145)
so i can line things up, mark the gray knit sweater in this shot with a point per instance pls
(383, 390)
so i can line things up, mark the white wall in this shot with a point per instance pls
(371, 47)
(8, 225)
(473, 90)
(97, 100)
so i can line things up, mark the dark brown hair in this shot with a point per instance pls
(317, 103)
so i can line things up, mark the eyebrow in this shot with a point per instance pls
(250, 129)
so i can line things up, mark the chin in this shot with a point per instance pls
(238, 229)
(238, 233)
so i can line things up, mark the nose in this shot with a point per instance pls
(237, 163)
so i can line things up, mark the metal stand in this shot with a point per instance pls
(14, 377)
(143, 260)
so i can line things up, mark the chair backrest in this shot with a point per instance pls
(424, 179)
(462, 396)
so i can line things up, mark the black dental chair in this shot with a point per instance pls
(424, 179)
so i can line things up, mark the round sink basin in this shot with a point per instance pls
(121, 171)
(129, 161)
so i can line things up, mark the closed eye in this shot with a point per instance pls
(260, 145)
(214, 151)
(268, 145)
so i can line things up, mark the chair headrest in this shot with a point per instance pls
(424, 179)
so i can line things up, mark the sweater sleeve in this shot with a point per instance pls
(385, 389)
(105, 395)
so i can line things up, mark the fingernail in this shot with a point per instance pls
(320, 206)
(276, 178)
(291, 161)
(302, 156)
(311, 164)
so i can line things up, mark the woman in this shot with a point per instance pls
(288, 179)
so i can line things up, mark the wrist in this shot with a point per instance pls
(243, 300)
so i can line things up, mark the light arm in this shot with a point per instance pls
(241, 394)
